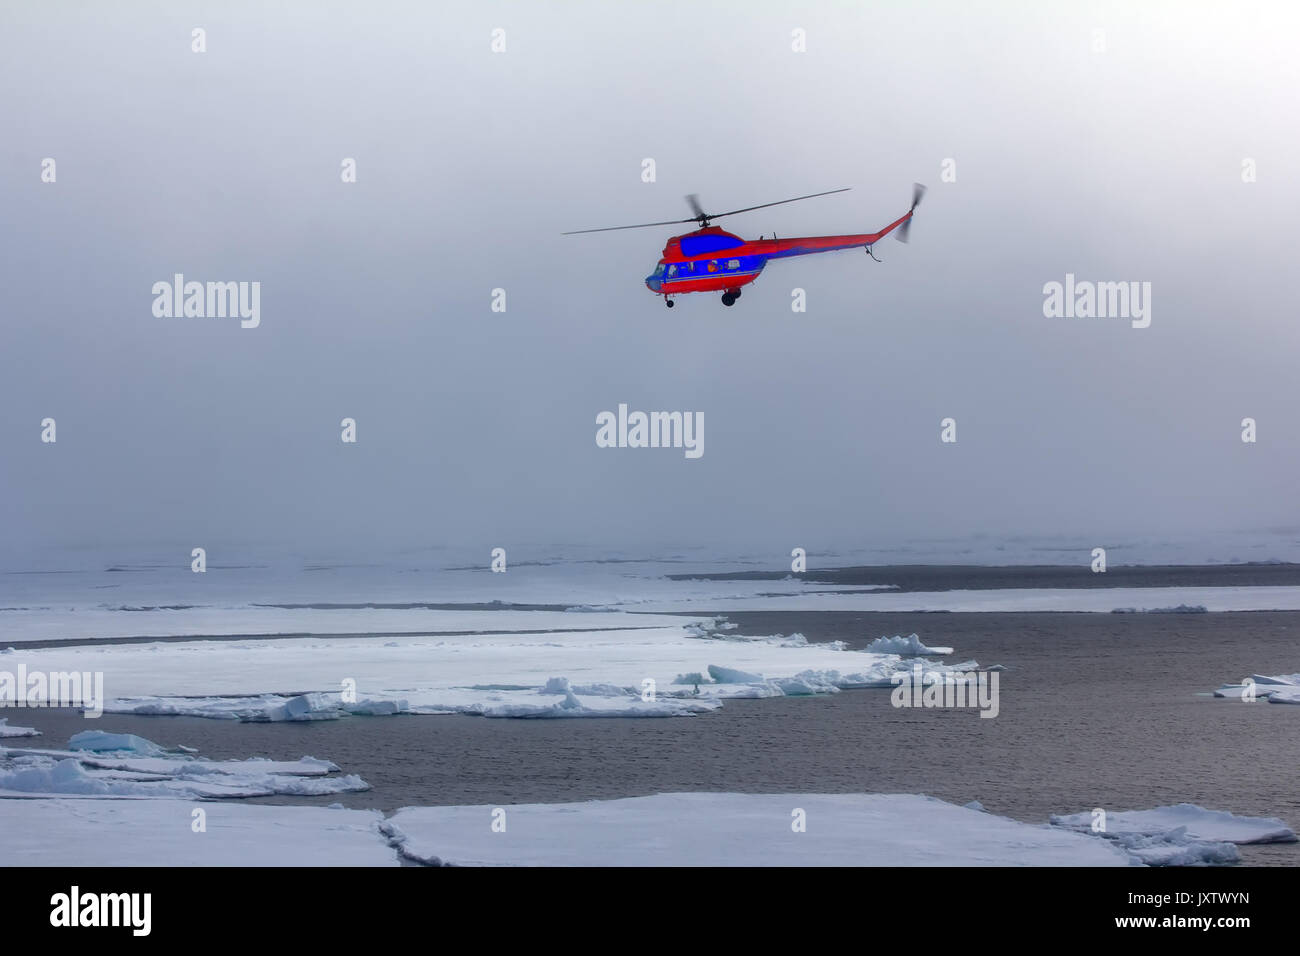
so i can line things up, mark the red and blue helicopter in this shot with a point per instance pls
(713, 260)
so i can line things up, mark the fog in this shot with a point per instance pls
(477, 427)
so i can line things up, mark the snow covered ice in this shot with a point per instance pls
(62, 831)
(740, 829)
(106, 765)
(910, 645)
(1276, 689)
(289, 597)
(634, 672)
(7, 731)
(1181, 835)
(605, 644)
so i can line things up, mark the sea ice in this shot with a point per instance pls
(1276, 688)
(643, 672)
(144, 769)
(1196, 823)
(729, 675)
(7, 731)
(910, 645)
(740, 829)
(1176, 848)
(99, 741)
(71, 832)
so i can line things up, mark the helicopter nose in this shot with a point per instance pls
(653, 284)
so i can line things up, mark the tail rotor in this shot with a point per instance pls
(904, 231)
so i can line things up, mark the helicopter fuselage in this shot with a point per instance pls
(713, 260)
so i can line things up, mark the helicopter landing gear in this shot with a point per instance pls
(669, 302)
(730, 296)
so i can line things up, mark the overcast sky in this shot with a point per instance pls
(477, 427)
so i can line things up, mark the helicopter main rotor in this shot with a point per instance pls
(703, 217)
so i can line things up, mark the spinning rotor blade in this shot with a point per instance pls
(640, 225)
(703, 217)
(905, 230)
(779, 202)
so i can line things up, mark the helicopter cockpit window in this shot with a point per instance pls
(672, 271)
(659, 270)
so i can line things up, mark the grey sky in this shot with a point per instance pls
(478, 428)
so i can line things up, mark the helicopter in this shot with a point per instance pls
(713, 260)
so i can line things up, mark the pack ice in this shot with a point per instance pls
(1181, 835)
(688, 668)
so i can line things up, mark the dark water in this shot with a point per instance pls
(1097, 710)
(947, 577)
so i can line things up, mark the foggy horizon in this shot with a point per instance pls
(477, 428)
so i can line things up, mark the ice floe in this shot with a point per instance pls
(1182, 831)
(101, 741)
(140, 768)
(7, 731)
(87, 624)
(1276, 689)
(910, 645)
(1176, 848)
(740, 829)
(68, 832)
(678, 670)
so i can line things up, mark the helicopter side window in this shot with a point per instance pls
(733, 264)
(672, 271)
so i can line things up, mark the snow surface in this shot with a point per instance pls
(494, 675)
(91, 808)
(79, 833)
(150, 600)
(80, 624)
(1196, 823)
(741, 829)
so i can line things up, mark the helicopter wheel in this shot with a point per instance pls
(669, 302)
(728, 299)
